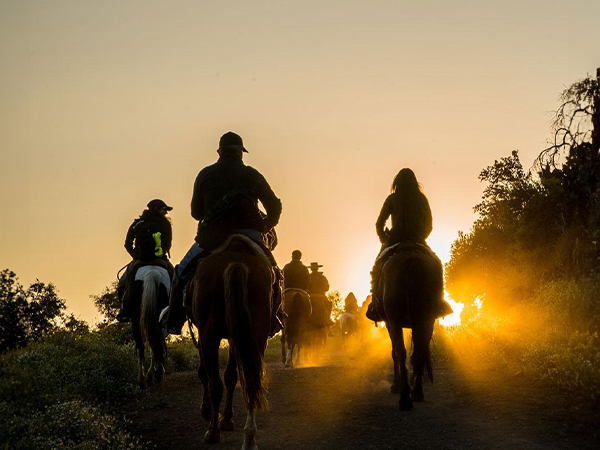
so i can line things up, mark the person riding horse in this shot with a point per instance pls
(225, 202)
(148, 241)
(411, 225)
(317, 289)
(295, 274)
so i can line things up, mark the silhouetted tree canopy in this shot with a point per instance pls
(27, 314)
(540, 225)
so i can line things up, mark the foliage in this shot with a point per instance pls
(541, 226)
(338, 304)
(108, 302)
(27, 315)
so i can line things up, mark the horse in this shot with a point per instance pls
(319, 322)
(348, 324)
(296, 305)
(412, 286)
(150, 294)
(231, 299)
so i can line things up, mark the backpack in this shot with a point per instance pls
(147, 240)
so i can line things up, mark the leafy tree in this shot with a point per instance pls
(108, 303)
(26, 315)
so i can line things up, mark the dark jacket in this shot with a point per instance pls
(414, 224)
(156, 222)
(225, 199)
(295, 275)
(318, 284)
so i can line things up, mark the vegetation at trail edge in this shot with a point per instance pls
(533, 255)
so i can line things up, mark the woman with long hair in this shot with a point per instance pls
(411, 218)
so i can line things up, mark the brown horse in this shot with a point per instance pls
(319, 323)
(231, 299)
(149, 295)
(412, 286)
(296, 305)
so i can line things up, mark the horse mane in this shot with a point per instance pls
(252, 246)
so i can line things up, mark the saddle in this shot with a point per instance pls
(405, 246)
(241, 243)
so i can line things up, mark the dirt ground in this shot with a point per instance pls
(345, 404)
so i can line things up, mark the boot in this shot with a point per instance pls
(373, 313)
(277, 316)
(175, 316)
(124, 314)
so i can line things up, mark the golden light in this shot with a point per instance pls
(454, 318)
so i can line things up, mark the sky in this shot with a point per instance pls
(107, 105)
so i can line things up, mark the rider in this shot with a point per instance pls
(295, 274)
(319, 284)
(351, 304)
(225, 202)
(411, 224)
(148, 240)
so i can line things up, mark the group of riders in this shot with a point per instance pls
(225, 202)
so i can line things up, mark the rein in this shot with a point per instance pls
(194, 341)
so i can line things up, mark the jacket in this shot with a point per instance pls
(295, 275)
(225, 199)
(414, 225)
(158, 223)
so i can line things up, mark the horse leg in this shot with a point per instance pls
(421, 359)
(399, 349)
(290, 355)
(139, 349)
(205, 407)
(150, 374)
(395, 389)
(210, 358)
(250, 430)
(231, 378)
(283, 350)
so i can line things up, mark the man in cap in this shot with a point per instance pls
(225, 202)
(148, 241)
(295, 274)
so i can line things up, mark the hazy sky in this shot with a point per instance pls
(105, 105)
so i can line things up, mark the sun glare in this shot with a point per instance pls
(454, 318)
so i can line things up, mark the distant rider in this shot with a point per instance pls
(412, 223)
(295, 274)
(148, 241)
(225, 202)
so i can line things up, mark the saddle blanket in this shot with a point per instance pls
(142, 272)
(400, 246)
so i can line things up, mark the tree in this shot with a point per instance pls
(108, 302)
(27, 315)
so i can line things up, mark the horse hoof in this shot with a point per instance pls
(290, 365)
(225, 425)
(405, 404)
(250, 446)
(417, 396)
(205, 411)
(212, 437)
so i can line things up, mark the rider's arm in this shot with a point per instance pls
(167, 238)
(427, 225)
(270, 202)
(197, 200)
(129, 239)
(386, 210)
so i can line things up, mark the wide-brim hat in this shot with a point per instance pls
(231, 141)
(314, 265)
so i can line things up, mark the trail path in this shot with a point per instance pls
(339, 406)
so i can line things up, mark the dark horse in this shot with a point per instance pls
(149, 296)
(412, 286)
(231, 299)
(296, 305)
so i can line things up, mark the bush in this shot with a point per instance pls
(72, 425)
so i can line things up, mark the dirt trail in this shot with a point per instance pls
(338, 406)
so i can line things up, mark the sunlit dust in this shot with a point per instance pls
(454, 318)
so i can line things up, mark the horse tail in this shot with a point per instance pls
(415, 281)
(248, 356)
(149, 317)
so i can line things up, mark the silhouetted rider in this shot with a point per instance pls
(412, 223)
(225, 202)
(295, 274)
(148, 241)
